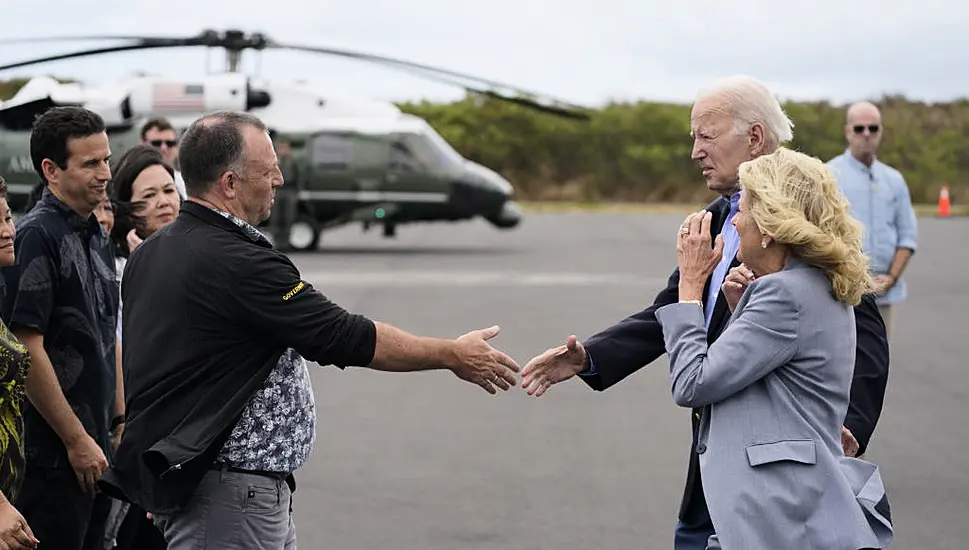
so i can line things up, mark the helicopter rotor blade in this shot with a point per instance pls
(141, 44)
(236, 41)
(551, 106)
(80, 38)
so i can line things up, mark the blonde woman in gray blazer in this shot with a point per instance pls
(774, 387)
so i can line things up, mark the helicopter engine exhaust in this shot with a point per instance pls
(166, 97)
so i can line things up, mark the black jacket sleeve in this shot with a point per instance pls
(871, 373)
(631, 344)
(284, 308)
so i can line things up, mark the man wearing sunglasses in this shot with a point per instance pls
(160, 134)
(881, 201)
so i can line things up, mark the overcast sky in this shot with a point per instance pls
(585, 51)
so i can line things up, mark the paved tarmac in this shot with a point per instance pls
(428, 462)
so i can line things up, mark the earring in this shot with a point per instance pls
(763, 244)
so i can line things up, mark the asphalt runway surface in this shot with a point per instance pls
(426, 461)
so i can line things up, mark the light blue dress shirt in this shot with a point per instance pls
(880, 200)
(731, 242)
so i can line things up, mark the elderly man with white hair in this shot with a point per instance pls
(735, 120)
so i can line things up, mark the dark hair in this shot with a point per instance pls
(52, 130)
(211, 145)
(127, 214)
(160, 123)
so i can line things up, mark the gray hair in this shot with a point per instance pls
(751, 102)
(211, 145)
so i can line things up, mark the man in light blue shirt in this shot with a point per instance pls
(880, 200)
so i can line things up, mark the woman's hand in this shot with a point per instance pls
(133, 241)
(735, 284)
(697, 259)
(14, 531)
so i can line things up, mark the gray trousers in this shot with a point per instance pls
(232, 510)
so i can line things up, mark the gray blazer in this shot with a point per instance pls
(774, 390)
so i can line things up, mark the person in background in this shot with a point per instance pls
(15, 533)
(146, 198)
(286, 204)
(160, 134)
(144, 190)
(61, 301)
(880, 199)
(105, 214)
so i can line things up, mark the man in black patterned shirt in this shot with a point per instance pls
(219, 406)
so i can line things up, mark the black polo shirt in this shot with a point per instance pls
(63, 284)
(209, 309)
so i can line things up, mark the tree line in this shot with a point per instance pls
(640, 151)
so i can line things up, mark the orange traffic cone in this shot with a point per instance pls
(944, 205)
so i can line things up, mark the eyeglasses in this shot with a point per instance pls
(158, 142)
(860, 128)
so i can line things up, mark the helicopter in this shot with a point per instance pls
(359, 160)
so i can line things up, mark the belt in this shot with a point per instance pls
(279, 476)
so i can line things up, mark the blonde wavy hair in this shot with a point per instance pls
(795, 200)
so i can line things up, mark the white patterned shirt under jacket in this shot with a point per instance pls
(277, 429)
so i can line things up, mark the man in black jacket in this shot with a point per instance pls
(216, 324)
(738, 119)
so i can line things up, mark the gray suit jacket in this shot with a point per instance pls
(774, 390)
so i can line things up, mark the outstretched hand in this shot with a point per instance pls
(480, 363)
(553, 366)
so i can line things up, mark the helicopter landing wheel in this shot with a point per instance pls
(390, 230)
(304, 234)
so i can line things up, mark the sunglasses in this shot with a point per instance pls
(860, 128)
(158, 142)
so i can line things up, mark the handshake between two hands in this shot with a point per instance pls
(480, 363)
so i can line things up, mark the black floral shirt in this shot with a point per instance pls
(63, 284)
(277, 430)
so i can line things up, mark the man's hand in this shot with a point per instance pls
(848, 442)
(735, 284)
(14, 531)
(555, 365)
(480, 363)
(88, 461)
(883, 282)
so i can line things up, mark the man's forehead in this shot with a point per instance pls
(710, 107)
(89, 147)
(863, 112)
(156, 131)
(260, 146)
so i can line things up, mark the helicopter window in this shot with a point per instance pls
(402, 158)
(332, 152)
(370, 152)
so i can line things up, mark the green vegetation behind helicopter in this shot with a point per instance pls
(356, 159)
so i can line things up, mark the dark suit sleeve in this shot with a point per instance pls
(871, 373)
(631, 344)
